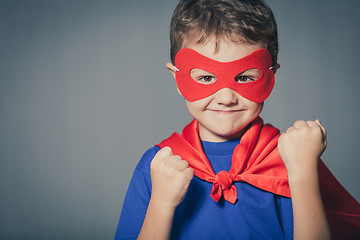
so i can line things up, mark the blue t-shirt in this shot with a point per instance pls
(257, 214)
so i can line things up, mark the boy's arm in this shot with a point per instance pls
(170, 177)
(300, 148)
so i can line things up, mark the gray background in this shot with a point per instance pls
(84, 92)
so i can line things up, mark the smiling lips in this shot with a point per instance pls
(225, 111)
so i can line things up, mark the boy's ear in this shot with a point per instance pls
(172, 70)
(276, 67)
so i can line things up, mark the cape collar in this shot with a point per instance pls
(255, 160)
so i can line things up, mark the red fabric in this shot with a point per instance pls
(256, 160)
(257, 91)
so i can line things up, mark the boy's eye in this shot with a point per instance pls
(249, 75)
(206, 79)
(202, 76)
(243, 79)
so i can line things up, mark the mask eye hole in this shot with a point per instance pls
(249, 75)
(202, 76)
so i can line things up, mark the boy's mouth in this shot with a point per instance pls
(225, 111)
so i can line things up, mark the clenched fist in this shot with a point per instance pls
(302, 145)
(300, 148)
(170, 177)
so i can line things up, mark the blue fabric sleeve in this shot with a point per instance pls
(137, 198)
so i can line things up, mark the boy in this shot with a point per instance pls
(224, 56)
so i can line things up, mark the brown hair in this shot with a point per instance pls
(251, 21)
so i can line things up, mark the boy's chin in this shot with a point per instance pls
(221, 134)
(234, 134)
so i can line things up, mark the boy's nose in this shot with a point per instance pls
(226, 96)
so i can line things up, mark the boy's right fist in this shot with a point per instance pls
(170, 178)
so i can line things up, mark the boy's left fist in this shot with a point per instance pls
(302, 145)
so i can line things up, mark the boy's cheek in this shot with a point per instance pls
(177, 88)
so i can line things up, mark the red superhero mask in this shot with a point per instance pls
(226, 72)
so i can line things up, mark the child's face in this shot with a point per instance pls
(224, 114)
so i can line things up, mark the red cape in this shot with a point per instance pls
(256, 160)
